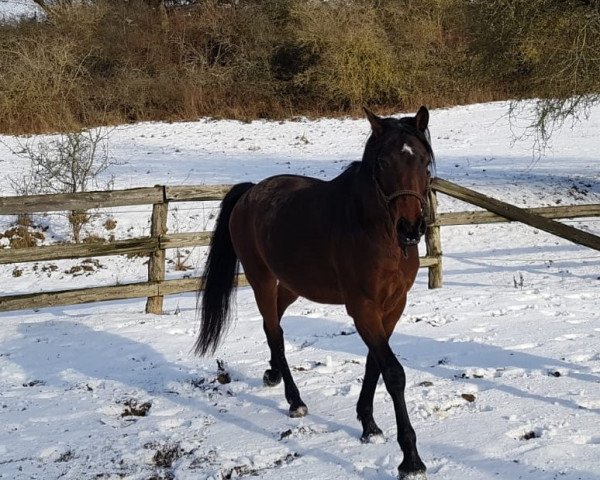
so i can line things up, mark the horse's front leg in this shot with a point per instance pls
(364, 407)
(369, 323)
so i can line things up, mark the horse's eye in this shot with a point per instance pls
(383, 163)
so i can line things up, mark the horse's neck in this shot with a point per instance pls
(367, 207)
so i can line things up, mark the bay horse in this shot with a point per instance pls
(351, 240)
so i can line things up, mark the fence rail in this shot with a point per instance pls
(114, 198)
(159, 240)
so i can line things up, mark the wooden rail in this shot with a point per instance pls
(115, 198)
(510, 212)
(159, 240)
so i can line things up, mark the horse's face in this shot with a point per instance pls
(401, 164)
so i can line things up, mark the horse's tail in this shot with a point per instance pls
(219, 277)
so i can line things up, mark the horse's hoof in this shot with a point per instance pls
(412, 468)
(373, 437)
(271, 378)
(300, 411)
(420, 475)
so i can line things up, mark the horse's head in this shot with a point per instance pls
(399, 158)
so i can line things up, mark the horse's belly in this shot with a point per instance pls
(316, 291)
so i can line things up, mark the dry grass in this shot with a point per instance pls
(115, 62)
(22, 236)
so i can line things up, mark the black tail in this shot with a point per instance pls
(219, 277)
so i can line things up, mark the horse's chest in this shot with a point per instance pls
(393, 283)
(393, 295)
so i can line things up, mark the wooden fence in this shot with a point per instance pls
(156, 244)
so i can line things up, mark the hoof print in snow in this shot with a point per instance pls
(303, 432)
(254, 470)
(65, 456)
(526, 433)
(135, 409)
(529, 435)
(469, 397)
(34, 383)
(198, 382)
(165, 455)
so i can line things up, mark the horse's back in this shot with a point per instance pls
(282, 227)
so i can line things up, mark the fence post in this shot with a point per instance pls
(157, 262)
(433, 242)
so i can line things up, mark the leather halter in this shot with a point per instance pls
(404, 193)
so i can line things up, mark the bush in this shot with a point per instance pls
(70, 163)
(113, 62)
(545, 49)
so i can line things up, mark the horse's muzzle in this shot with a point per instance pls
(410, 233)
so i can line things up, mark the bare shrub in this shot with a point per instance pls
(69, 163)
(23, 185)
(545, 49)
(23, 234)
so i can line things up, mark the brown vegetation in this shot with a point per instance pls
(22, 236)
(113, 62)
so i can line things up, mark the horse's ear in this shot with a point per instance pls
(422, 118)
(375, 121)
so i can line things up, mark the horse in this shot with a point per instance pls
(351, 240)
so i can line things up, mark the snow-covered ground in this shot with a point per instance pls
(13, 10)
(503, 362)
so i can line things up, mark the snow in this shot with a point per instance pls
(503, 362)
(13, 10)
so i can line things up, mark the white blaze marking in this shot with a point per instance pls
(407, 149)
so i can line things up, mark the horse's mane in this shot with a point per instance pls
(352, 168)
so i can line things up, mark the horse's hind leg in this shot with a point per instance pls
(364, 407)
(271, 309)
(285, 298)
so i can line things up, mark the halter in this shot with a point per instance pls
(402, 193)
(406, 193)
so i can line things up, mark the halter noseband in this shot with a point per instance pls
(402, 193)
(406, 193)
